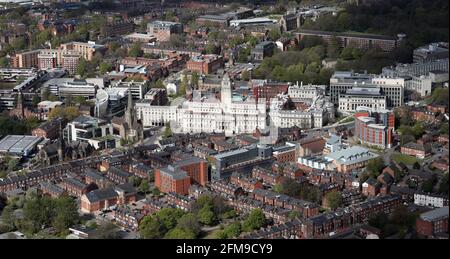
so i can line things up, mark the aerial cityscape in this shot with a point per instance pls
(206, 119)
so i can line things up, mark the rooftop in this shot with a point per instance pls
(175, 172)
(351, 155)
(436, 214)
(19, 144)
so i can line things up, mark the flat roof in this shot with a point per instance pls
(175, 172)
(231, 153)
(18, 144)
(348, 34)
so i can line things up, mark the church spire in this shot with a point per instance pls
(129, 111)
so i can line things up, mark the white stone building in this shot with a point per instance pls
(207, 114)
(354, 98)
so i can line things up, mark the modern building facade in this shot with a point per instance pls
(392, 88)
(375, 127)
(162, 30)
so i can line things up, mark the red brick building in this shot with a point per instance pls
(172, 179)
(285, 154)
(433, 222)
(196, 168)
(48, 130)
(246, 183)
(74, 187)
(371, 187)
(104, 198)
(415, 149)
(140, 170)
(205, 64)
(266, 176)
(268, 90)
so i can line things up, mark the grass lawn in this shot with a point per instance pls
(211, 234)
(407, 160)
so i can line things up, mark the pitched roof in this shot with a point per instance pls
(101, 194)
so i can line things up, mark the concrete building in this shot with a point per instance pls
(343, 160)
(375, 127)
(431, 52)
(355, 40)
(290, 22)
(369, 97)
(260, 21)
(91, 130)
(27, 59)
(314, 109)
(262, 50)
(243, 159)
(162, 30)
(392, 88)
(420, 77)
(430, 200)
(87, 50)
(207, 114)
(74, 87)
(117, 28)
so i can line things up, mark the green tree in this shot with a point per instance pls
(36, 100)
(8, 218)
(295, 214)
(134, 180)
(68, 113)
(334, 199)
(135, 50)
(189, 223)
(82, 67)
(12, 164)
(195, 77)
(255, 220)
(347, 53)
(274, 34)
(151, 227)
(232, 230)
(202, 201)
(375, 166)
(169, 217)
(80, 100)
(207, 216)
(4, 62)
(440, 96)
(105, 68)
(428, 185)
(416, 166)
(19, 43)
(167, 132)
(333, 48)
(66, 213)
(443, 186)
(211, 48)
(144, 186)
(156, 192)
(159, 84)
(38, 213)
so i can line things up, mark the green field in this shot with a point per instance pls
(407, 160)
